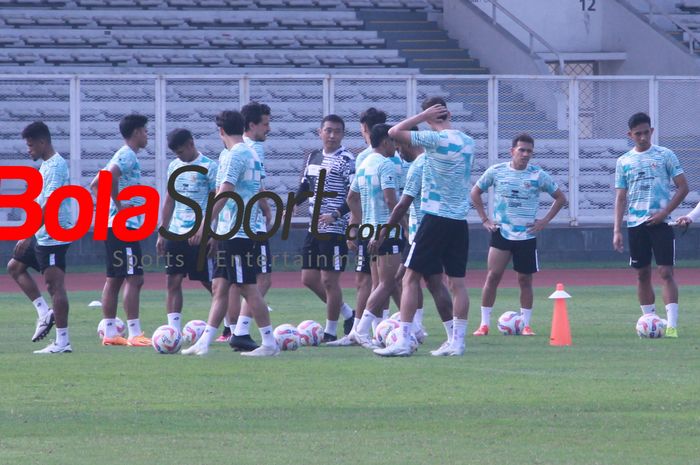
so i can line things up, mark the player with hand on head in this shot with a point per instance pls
(42, 252)
(643, 178)
(517, 186)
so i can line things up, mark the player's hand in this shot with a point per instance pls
(160, 246)
(490, 226)
(269, 221)
(373, 246)
(537, 226)
(326, 219)
(434, 113)
(22, 246)
(684, 221)
(618, 245)
(657, 218)
(352, 245)
(197, 238)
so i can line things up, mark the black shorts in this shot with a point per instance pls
(122, 259)
(364, 260)
(264, 261)
(181, 258)
(391, 246)
(524, 252)
(236, 260)
(41, 257)
(441, 244)
(658, 239)
(328, 255)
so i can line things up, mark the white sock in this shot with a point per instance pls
(418, 318)
(672, 315)
(174, 320)
(486, 316)
(243, 326)
(346, 311)
(449, 325)
(405, 339)
(355, 323)
(62, 337)
(365, 323)
(459, 331)
(232, 328)
(134, 327)
(527, 314)
(226, 322)
(648, 309)
(331, 327)
(268, 339)
(110, 327)
(42, 308)
(208, 336)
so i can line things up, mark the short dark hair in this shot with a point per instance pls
(253, 113)
(523, 137)
(372, 116)
(378, 133)
(178, 137)
(231, 122)
(431, 101)
(37, 130)
(130, 123)
(637, 119)
(333, 119)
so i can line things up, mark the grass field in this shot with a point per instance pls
(611, 398)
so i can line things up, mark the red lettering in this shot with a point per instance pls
(149, 209)
(24, 201)
(82, 224)
(104, 193)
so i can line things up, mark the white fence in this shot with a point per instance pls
(579, 123)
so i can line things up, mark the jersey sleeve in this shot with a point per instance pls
(413, 184)
(211, 175)
(486, 179)
(620, 178)
(387, 175)
(125, 161)
(547, 184)
(55, 178)
(235, 170)
(428, 139)
(171, 169)
(354, 185)
(673, 166)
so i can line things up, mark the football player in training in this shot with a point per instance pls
(324, 260)
(178, 218)
(124, 259)
(517, 186)
(442, 240)
(240, 172)
(643, 178)
(41, 251)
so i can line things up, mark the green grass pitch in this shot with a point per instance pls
(611, 398)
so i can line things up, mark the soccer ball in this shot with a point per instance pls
(394, 336)
(383, 329)
(121, 328)
(651, 326)
(287, 337)
(310, 333)
(511, 323)
(166, 340)
(396, 316)
(192, 331)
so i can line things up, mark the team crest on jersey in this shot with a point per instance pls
(527, 184)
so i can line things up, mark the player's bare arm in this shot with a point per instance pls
(620, 204)
(475, 195)
(559, 202)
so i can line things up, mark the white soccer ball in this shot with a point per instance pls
(651, 326)
(396, 316)
(394, 336)
(166, 340)
(381, 332)
(310, 333)
(121, 328)
(192, 331)
(287, 337)
(511, 323)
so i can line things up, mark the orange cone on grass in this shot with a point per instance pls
(561, 331)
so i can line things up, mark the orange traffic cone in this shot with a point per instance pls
(561, 332)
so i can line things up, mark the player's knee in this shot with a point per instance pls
(525, 280)
(329, 282)
(135, 281)
(644, 274)
(666, 273)
(494, 277)
(174, 282)
(14, 269)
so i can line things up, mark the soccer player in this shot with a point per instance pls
(324, 260)
(123, 259)
(442, 239)
(517, 186)
(643, 187)
(257, 126)
(178, 218)
(240, 172)
(372, 197)
(42, 252)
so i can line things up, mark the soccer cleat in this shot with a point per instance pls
(196, 349)
(43, 326)
(344, 341)
(364, 341)
(482, 331)
(348, 324)
(139, 341)
(242, 343)
(115, 341)
(527, 331)
(223, 338)
(54, 348)
(397, 350)
(263, 351)
(456, 351)
(329, 338)
(442, 350)
(672, 332)
(420, 335)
